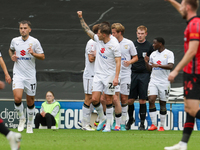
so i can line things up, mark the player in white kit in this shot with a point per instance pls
(161, 61)
(128, 57)
(88, 75)
(23, 51)
(107, 68)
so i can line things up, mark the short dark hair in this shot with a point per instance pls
(95, 28)
(160, 40)
(25, 22)
(104, 27)
(193, 3)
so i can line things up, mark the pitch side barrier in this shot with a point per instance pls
(71, 112)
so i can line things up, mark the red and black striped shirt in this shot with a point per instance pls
(192, 32)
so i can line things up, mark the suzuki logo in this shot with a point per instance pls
(159, 62)
(22, 52)
(102, 50)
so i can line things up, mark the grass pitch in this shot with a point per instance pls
(74, 139)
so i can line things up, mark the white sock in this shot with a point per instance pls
(124, 114)
(30, 114)
(118, 121)
(86, 116)
(109, 114)
(183, 143)
(162, 120)
(91, 108)
(20, 111)
(153, 117)
(9, 134)
(101, 115)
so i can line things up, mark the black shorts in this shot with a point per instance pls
(191, 86)
(139, 85)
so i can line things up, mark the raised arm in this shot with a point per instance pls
(85, 26)
(176, 5)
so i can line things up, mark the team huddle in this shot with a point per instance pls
(107, 78)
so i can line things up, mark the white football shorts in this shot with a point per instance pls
(87, 85)
(161, 90)
(104, 83)
(125, 85)
(29, 85)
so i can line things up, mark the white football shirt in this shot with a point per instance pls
(0, 54)
(159, 75)
(105, 56)
(127, 50)
(24, 67)
(89, 67)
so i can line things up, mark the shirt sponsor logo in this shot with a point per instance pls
(24, 58)
(103, 56)
(194, 35)
(102, 50)
(22, 52)
(158, 62)
(123, 58)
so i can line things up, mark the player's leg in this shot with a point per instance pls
(19, 107)
(164, 90)
(152, 95)
(163, 112)
(117, 112)
(13, 138)
(124, 104)
(30, 89)
(99, 108)
(30, 113)
(109, 112)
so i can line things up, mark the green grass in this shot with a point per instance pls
(74, 139)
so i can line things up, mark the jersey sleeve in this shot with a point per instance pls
(38, 48)
(12, 45)
(171, 57)
(90, 47)
(96, 38)
(194, 31)
(117, 51)
(0, 54)
(133, 50)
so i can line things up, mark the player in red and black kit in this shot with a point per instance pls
(190, 64)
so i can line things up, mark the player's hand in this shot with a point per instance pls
(2, 85)
(172, 75)
(146, 59)
(79, 14)
(126, 63)
(115, 81)
(30, 50)
(14, 57)
(155, 65)
(8, 79)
